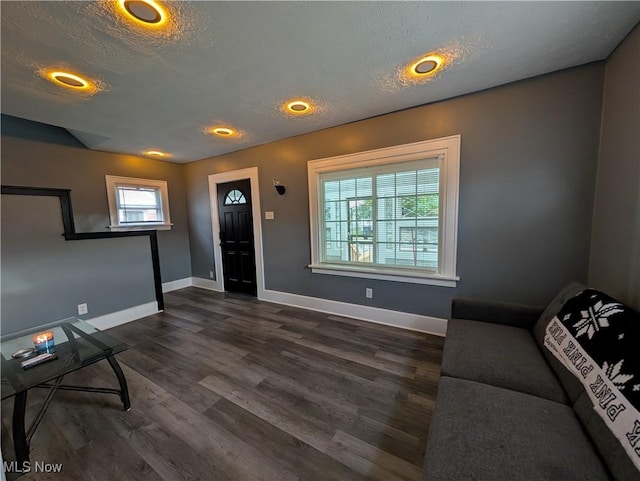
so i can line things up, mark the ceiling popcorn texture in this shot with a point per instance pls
(238, 63)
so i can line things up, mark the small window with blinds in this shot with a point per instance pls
(387, 214)
(137, 203)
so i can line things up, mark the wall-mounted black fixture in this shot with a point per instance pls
(281, 189)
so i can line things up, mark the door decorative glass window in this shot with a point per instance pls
(235, 197)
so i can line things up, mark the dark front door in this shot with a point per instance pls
(236, 236)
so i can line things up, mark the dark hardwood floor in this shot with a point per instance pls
(225, 387)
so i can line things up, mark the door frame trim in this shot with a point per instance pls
(251, 174)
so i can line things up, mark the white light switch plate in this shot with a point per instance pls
(269, 215)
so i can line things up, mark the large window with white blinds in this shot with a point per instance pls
(388, 213)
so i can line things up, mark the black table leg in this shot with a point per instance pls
(124, 390)
(20, 444)
(72, 339)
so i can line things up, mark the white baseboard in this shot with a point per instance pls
(191, 281)
(122, 317)
(206, 284)
(143, 310)
(177, 284)
(403, 320)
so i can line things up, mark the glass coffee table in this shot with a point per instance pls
(77, 344)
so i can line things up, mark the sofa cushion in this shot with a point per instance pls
(509, 314)
(609, 447)
(498, 355)
(569, 291)
(571, 385)
(485, 433)
(597, 338)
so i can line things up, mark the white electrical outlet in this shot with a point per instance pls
(368, 292)
(82, 309)
(210, 274)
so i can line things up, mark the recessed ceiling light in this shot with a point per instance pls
(155, 153)
(298, 107)
(223, 131)
(146, 12)
(70, 80)
(426, 66)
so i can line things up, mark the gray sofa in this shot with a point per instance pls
(507, 410)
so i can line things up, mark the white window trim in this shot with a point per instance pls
(113, 181)
(449, 172)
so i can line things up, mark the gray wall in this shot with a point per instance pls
(615, 245)
(44, 277)
(528, 167)
(42, 156)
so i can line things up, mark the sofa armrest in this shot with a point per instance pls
(516, 315)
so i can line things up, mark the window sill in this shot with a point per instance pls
(121, 228)
(396, 275)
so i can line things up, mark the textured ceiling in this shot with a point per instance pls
(235, 63)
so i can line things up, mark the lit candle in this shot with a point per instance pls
(43, 342)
